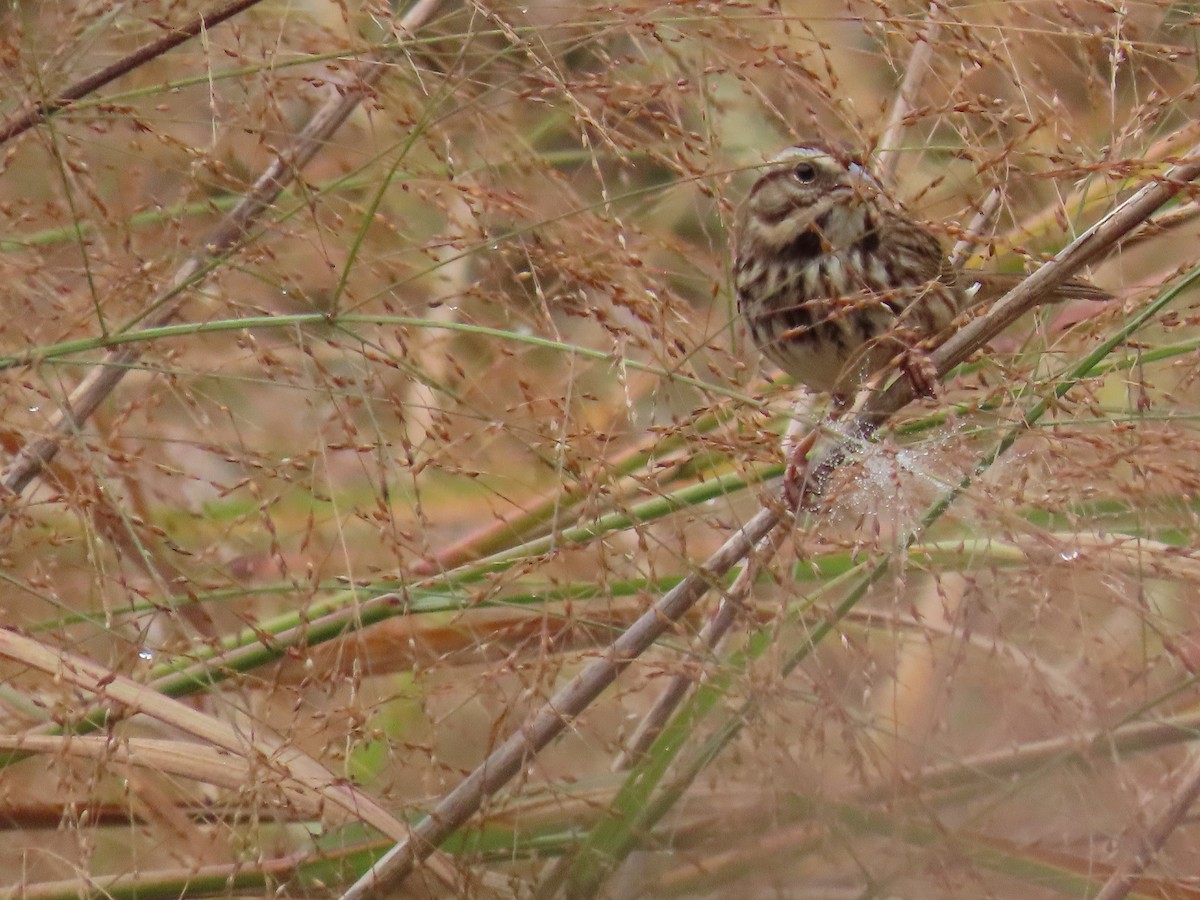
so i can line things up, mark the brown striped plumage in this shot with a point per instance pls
(835, 280)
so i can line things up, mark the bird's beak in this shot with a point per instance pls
(864, 182)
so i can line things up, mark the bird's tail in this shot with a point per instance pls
(984, 287)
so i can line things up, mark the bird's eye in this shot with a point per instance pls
(805, 173)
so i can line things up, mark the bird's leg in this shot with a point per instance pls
(795, 474)
(915, 364)
(796, 448)
(918, 368)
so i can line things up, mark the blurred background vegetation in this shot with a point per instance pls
(470, 394)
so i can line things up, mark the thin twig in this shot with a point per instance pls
(40, 110)
(103, 378)
(568, 702)
(965, 246)
(707, 642)
(998, 766)
(918, 67)
(1160, 225)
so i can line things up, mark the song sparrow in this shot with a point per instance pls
(835, 280)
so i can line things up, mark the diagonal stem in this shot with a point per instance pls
(1039, 285)
(708, 641)
(40, 110)
(918, 68)
(548, 722)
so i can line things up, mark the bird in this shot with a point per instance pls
(836, 280)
